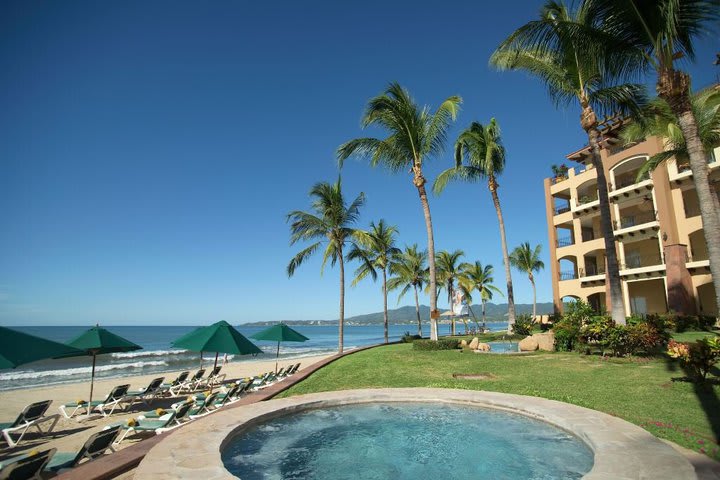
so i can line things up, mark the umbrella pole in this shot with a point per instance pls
(200, 359)
(92, 384)
(277, 356)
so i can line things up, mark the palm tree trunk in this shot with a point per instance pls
(385, 311)
(493, 186)
(483, 312)
(419, 181)
(674, 87)
(417, 311)
(617, 311)
(451, 297)
(532, 282)
(341, 323)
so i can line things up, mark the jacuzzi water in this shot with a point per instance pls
(406, 441)
(503, 347)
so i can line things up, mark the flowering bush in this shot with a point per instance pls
(523, 325)
(696, 358)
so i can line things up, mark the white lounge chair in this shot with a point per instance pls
(26, 467)
(117, 396)
(32, 416)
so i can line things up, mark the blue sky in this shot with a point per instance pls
(151, 150)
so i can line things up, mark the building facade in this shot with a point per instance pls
(656, 221)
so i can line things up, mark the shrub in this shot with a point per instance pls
(409, 338)
(440, 344)
(619, 340)
(682, 323)
(696, 358)
(566, 334)
(646, 337)
(523, 325)
(595, 331)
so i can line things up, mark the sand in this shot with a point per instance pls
(70, 435)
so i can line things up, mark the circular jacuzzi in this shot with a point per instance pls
(394, 433)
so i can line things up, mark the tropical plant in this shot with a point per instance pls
(568, 51)
(527, 259)
(661, 32)
(448, 271)
(475, 276)
(329, 223)
(409, 271)
(415, 135)
(481, 148)
(658, 120)
(375, 249)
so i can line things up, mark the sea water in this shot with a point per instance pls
(406, 441)
(158, 355)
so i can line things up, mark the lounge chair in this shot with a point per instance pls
(32, 416)
(231, 393)
(204, 406)
(116, 396)
(26, 467)
(215, 378)
(147, 394)
(167, 387)
(294, 369)
(95, 446)
(172, 419)
(189, 385)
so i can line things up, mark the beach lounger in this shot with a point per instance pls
(32, 416)
(172, 419)
(215, 377)
(95, 446)
(146, 394)
(116, 396)
(294, 369)
(167, 387)
(189, 385)
(26, 467)
(204, 406)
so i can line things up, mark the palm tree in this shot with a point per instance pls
(661, 32)
(527, 259)
(415, 134)
(330, 223)
(482, 149)
(409, 271)
(568, 53)
(475, 276)
(658, 120)
(448, 270)
(375, 249)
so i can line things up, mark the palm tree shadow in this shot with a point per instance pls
(705, 393)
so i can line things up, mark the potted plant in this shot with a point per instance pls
(560, 172)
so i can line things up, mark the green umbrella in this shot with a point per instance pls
(280, 333)
(17, 348)
(220, 337)
(97, 341)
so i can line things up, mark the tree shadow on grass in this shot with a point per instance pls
(704, 391)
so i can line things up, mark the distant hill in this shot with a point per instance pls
(406, 315)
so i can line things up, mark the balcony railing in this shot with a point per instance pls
(635, 219)
(564, 242)
(641, 261)
(583, 199)
(628, 179)
(569, 275)
(592, 270)
(561, 209)
(588, 235)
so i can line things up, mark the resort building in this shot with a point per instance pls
(659, 238)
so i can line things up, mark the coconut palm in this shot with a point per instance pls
(662, 32)
(329, 223)
(409, 271)
(448, 271)
(375, 249)
(475, 276)
(658, 120)
(568, 53)
(415, 135)
(527, 259)
(480, 155)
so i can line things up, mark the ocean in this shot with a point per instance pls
(157, 355)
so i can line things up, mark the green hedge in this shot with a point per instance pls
(441, 344)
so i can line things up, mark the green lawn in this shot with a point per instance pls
(643, 391)
(692, 336)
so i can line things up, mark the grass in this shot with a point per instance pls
(647, 392)
(693, 336)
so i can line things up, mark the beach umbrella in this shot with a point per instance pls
(97, 341)
(280, 333)
(17, 348)
(220, 337)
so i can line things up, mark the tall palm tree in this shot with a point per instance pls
(409, 271)
(662, 32)
(415, 135)
(481, 148)
(448, 271)
(329, 223)
(375, 249)
(475, 276)
(567, 52)
(527, 259)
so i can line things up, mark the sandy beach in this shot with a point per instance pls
(69, 435)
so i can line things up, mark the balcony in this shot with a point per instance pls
(680, 170)
(592, 274)
(642, 266)
(629, 189)
(565, 242)
(636, 226)
(585, 204)
(568, 275)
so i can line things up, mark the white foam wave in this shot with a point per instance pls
(147, 353)
(26, 375)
